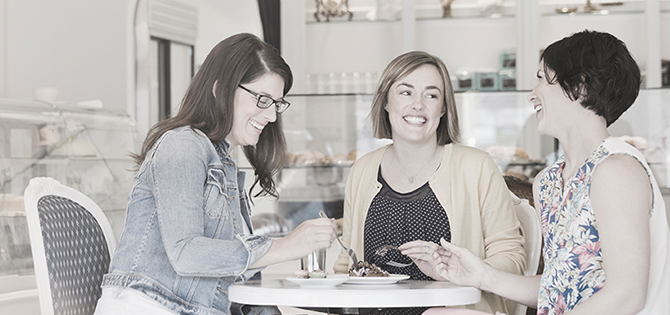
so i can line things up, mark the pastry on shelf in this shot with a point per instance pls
(316, 158)
(507, 154)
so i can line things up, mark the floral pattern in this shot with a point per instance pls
(573, 269)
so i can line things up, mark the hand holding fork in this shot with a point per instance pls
(429, 249)
(348, 250)
(384, 249)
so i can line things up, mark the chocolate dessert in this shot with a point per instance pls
(365, 269)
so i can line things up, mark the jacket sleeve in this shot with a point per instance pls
(181, 160)
(503, 241)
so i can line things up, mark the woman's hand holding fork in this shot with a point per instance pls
(461, 266)
(421, 253)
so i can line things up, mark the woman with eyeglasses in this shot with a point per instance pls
(188, 234)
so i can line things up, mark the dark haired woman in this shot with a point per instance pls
(603, 217)
(187, 234)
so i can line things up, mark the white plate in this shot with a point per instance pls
(377, 280)
(328, 282)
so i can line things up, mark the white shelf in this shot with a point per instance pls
(362, 46)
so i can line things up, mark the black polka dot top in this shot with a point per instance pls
(396, 218)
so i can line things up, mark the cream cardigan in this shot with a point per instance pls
(470, 188)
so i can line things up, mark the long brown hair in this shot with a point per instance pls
(238, 59)
(448, 129)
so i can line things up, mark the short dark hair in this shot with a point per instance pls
(448, 129)
(236, 60)
(596, 67)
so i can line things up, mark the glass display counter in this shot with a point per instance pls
(323, 136)
(327, 132)
(87, 149)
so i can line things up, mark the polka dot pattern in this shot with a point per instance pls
(76, 253)
(394, 219)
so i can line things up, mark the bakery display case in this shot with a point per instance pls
(87, 149)
(327, 132)
(504, 124)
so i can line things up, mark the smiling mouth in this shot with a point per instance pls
(415, 120)
(256, 125)
(537, 107)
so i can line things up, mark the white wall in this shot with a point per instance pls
(86, 48)
(462, 42)
(351, 47)
(2, 48)
(362, 46)
(77, 46)
(630, 28)
(218, 19)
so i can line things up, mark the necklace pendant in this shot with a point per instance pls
(411, 179)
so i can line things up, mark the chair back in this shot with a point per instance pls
(72, 244)
(532, 234)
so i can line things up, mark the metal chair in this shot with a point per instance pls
(72, 244)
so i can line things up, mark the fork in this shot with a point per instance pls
(397, 264)
(384, 249)
(348, 250)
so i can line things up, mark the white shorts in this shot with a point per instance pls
(123, 301)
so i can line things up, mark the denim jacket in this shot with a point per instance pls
(183, 242)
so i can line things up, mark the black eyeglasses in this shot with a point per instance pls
(264, 101)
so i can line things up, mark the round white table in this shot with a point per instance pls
(406, 293)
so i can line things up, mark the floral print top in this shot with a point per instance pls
(573, 268)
